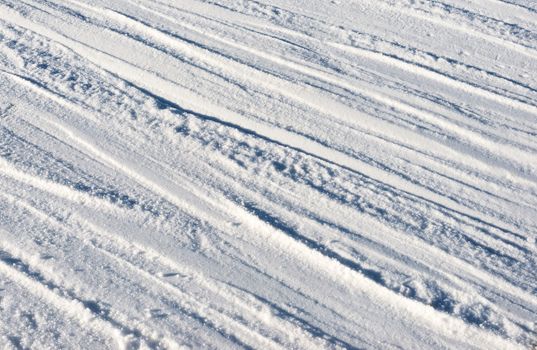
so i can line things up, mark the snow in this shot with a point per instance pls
(285, 174)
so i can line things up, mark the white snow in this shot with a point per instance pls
(284, 174)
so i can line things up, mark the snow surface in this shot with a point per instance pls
(293, 174)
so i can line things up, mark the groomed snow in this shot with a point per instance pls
(283, 174)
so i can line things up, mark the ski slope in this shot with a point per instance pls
(283, 174)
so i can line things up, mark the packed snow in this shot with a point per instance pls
(268, 174)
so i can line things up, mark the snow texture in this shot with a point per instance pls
(283, 174)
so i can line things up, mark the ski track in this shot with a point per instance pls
(350, 174)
